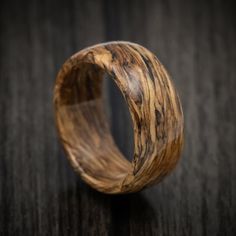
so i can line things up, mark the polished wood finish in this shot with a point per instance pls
(154, 107)
(40, 194)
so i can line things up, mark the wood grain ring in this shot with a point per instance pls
(83, 128)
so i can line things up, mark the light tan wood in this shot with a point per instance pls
(153, 104)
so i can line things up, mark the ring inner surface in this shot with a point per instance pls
(84, 127)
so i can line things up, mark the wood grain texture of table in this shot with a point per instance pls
(39, 192)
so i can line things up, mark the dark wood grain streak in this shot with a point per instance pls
(40, 194)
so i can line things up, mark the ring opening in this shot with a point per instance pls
(84, 126)
(119, 117)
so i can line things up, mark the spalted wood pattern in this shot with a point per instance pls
(154, 107)
(39, 192)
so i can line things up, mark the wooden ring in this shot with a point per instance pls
(154, 106)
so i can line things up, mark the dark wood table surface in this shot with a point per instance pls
(39, 192)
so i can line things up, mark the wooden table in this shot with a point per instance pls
(39, 192)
